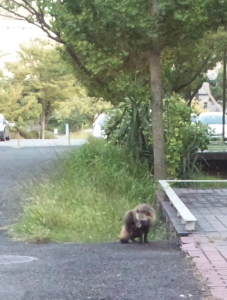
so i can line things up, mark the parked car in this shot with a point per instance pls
(214, 121)
(4, 129)
(98, 126)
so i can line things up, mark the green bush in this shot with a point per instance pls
(28, 134)
(182, 138)
(86, 196)
(130, 126)
(35, 134)
(49, 135)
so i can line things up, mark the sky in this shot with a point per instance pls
(12, 34)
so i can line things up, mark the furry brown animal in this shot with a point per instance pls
(137, 223)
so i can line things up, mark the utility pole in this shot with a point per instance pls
(224, 92)
(224, 95)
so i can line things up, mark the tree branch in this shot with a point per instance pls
(37, 18)
(176, 90)
(76, 59)
(39, 22)
(78, 62)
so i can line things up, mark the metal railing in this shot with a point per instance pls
(187, 217)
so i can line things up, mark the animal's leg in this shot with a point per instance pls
(145, 235)
(141, 239)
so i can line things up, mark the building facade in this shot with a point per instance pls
(206, 100)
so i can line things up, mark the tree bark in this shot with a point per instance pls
(157, 100)
(157, 116)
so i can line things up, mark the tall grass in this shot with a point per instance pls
(86, 196)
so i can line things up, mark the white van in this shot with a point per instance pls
(98, 126)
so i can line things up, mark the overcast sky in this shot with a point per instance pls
(12, 34)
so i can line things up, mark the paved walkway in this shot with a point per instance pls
(207, 246)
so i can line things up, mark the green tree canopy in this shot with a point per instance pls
(79, 107)
(43, 76)
(42, 85)
(117, 46)
(15, 107)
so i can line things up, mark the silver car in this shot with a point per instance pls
(4, 129)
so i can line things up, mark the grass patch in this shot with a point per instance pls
(86, 196)
(81, 135)
(209, 185)
(202, 185)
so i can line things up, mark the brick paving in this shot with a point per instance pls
(207, 245)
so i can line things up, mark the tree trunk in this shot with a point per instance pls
(157, 116)
(43, 125)
(157, 100)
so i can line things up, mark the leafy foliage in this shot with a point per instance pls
(130, 126)
(79, 108)
(43, 75)
(14, 106)
(183, 139)
(196, 107)
(135, 34)
(184, 67)
(33, 134)
(117, 65)
(44, 86)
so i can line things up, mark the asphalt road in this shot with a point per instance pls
(107, 271)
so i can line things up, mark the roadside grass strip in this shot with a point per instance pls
(85, 196)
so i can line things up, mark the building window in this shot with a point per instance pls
(205, 105)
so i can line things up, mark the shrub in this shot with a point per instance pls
(182, 138)
(28, 134)
(130, 126)
(49, 135)
(35, 134)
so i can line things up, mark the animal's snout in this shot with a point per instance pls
(138, 225)
(143, 223)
